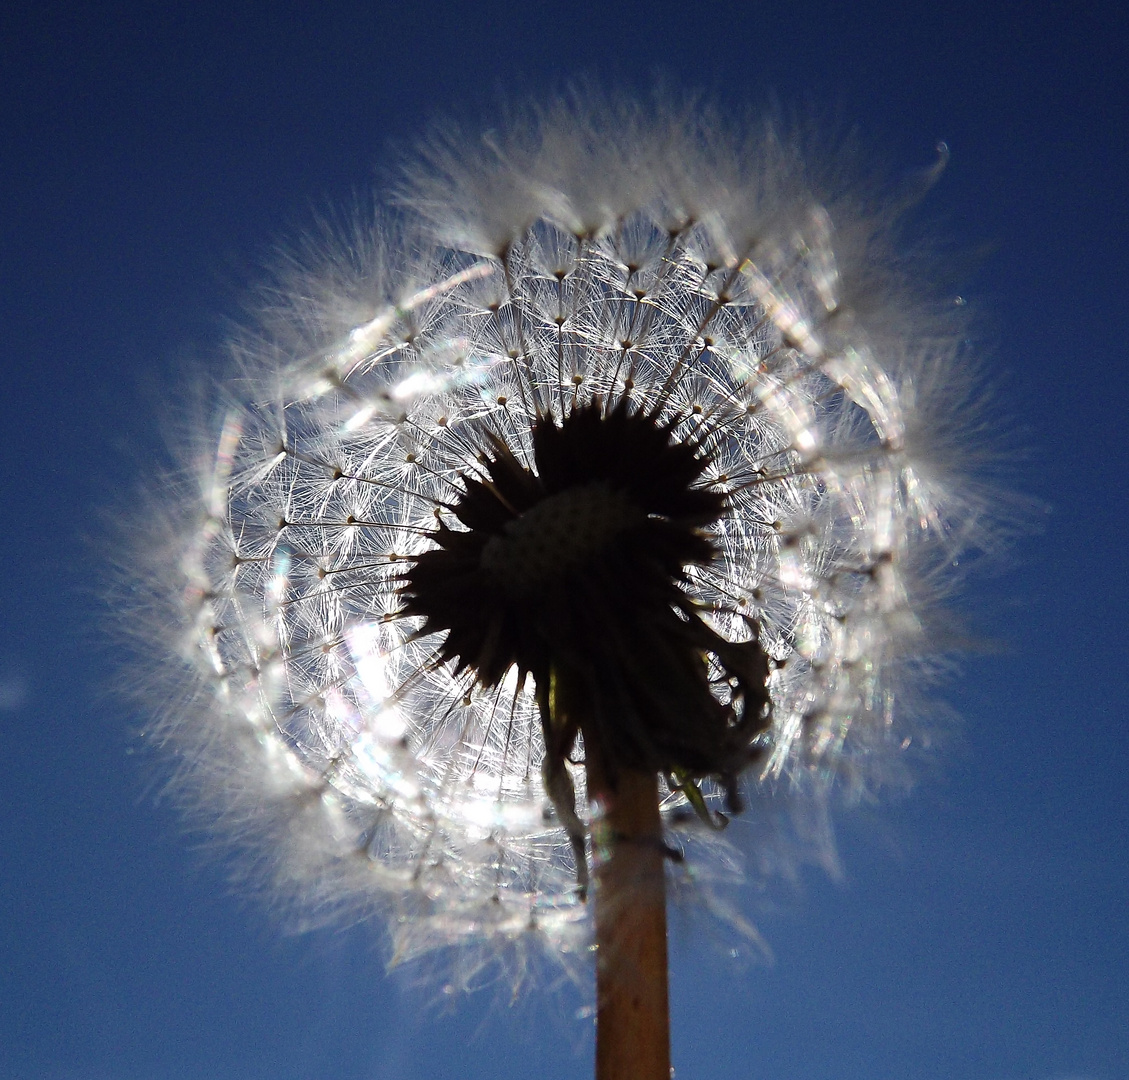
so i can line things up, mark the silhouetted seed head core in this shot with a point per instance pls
(569, 563)
(559, 533)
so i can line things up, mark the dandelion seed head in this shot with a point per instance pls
(614, 389)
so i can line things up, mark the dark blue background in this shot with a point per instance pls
(150, 156)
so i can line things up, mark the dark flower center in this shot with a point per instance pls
(562, 532)
(573, 572)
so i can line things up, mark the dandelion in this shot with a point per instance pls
(548, 518)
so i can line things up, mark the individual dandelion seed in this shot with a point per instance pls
(591, 489)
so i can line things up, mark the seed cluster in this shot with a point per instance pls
(567, 466)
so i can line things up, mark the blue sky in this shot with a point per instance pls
(152, 155)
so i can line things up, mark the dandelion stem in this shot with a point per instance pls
(632, 1012)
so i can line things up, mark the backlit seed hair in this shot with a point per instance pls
(617, 405)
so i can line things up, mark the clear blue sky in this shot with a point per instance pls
(152, 153)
